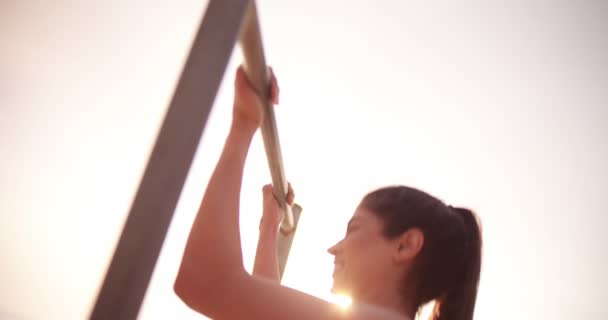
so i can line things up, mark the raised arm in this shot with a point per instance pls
(211, 278)
(266, 262)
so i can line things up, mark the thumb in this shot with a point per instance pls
(267, 193)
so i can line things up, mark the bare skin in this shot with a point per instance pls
(212, 279)
(266, 260)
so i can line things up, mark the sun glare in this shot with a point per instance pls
(425, 311)
(343, 301)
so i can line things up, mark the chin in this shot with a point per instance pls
(338, 289)
(334, 288)
(339, 292)
(341, 284)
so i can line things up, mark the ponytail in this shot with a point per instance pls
(458, 302)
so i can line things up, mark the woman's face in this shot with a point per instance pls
(363, 259)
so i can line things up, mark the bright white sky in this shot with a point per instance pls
(500, 107)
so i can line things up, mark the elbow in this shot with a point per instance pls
(202, 291)
(183, 288)
(191, 289)
(179, 287)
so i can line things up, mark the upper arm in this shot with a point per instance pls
(247, 297)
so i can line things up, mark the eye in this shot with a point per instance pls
(350, 229)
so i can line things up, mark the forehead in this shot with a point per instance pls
(363, 214)
(367, 220)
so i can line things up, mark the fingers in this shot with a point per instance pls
(241, 80)
(241, 77)
(290, 194)
(268, 193)
(243, 86)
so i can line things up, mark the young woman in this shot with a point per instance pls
(402, 248)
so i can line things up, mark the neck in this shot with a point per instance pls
(391, 300)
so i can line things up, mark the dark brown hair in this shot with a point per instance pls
(448, 265)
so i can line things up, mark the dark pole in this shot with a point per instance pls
(129, 273)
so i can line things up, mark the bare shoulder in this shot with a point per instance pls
(260, 298)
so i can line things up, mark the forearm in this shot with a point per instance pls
(213, 249)
(266, 260)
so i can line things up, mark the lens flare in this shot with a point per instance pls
(341, 300)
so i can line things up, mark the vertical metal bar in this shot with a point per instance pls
(255, 67)
(142, 236)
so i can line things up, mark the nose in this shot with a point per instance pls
(333, 250)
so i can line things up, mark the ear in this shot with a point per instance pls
(408, 245)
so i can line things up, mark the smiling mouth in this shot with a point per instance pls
(338, 265)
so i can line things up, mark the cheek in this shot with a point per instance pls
(367, 256)
(361, 253)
